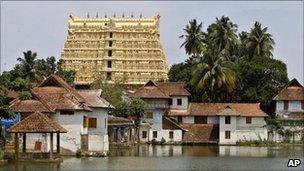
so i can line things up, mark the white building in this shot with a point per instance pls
(289, 108)
(159, 98)
(223, 123)
(84, 114)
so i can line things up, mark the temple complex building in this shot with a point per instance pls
(114, 48)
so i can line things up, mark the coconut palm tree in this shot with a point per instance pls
(28, 66)
(259, 43)
(222, 37)
(194, 38)
(212, 74)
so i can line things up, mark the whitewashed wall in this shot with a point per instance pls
(293, 106)
(184, 102)
(228, 127)
(253, 131)
(98, 137)
(213, 120)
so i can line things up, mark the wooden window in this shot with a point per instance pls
(109, 76)
(200, 119)
(110, 43)
(150, 115)
(85, 122)
(144, 134)
(66, 112)
(109, 64)
(92, 123)
(171, 134)
(285, 105)
(111, 35)
(170, 101)
(105, 123)
(180, 119)
(179, 102)
(227, 134)
(154, 134)
(110, 53)
(227, 119)
(248, 120)
(302, 104)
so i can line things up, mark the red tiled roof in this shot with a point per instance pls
(119, 121)
(29, 106)
(37, 123)
(13, 94)
(291, 91)
(93, 98)
(200, 133)
(170, 124)
(214, 109)
(150, 90)
(173, 88)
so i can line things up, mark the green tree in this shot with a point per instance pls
(222, 37)
(181, 72)
(259, 80)
(194, 38)
(259, 43)
(28, 67)
(5, 111)
(213, 74)
(68, 76)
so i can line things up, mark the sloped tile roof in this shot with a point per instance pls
(173, 88)
(200, 133)
(28, 106)
(150, 90)
(291, 91)
(170, 124)
(37, 123)
(214, 109)
(93, 98)
(113, 121)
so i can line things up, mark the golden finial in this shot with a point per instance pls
(114, 15)
(132, 15)
(123, 15)
(97, 15)
(88, 15)
(106, 15)
(140, 16)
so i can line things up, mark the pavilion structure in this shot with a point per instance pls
(41, 124)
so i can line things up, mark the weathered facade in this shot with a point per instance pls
(172, 117)
(114, 49)
(84, 114)
(289, 111)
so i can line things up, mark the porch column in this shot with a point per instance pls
(58, 142)
(24, 143)
(51, 149)
(130, 134)
(16, 145)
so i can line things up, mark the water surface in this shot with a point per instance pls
(175, 157)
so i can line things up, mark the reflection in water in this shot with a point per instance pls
(208, 150)
(175, 157)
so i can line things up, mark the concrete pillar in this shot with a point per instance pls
(58, 142)
(24, 143)
(51, 148)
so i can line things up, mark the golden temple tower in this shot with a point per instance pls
(114, 48)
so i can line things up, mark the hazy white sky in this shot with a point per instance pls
(42, 26)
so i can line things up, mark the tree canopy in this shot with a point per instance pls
(232, 67)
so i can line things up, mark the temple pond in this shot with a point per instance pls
(176, 157)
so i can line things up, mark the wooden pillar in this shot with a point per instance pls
(24, 143)
(16, 145)
(58, 143)
(51, 149)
